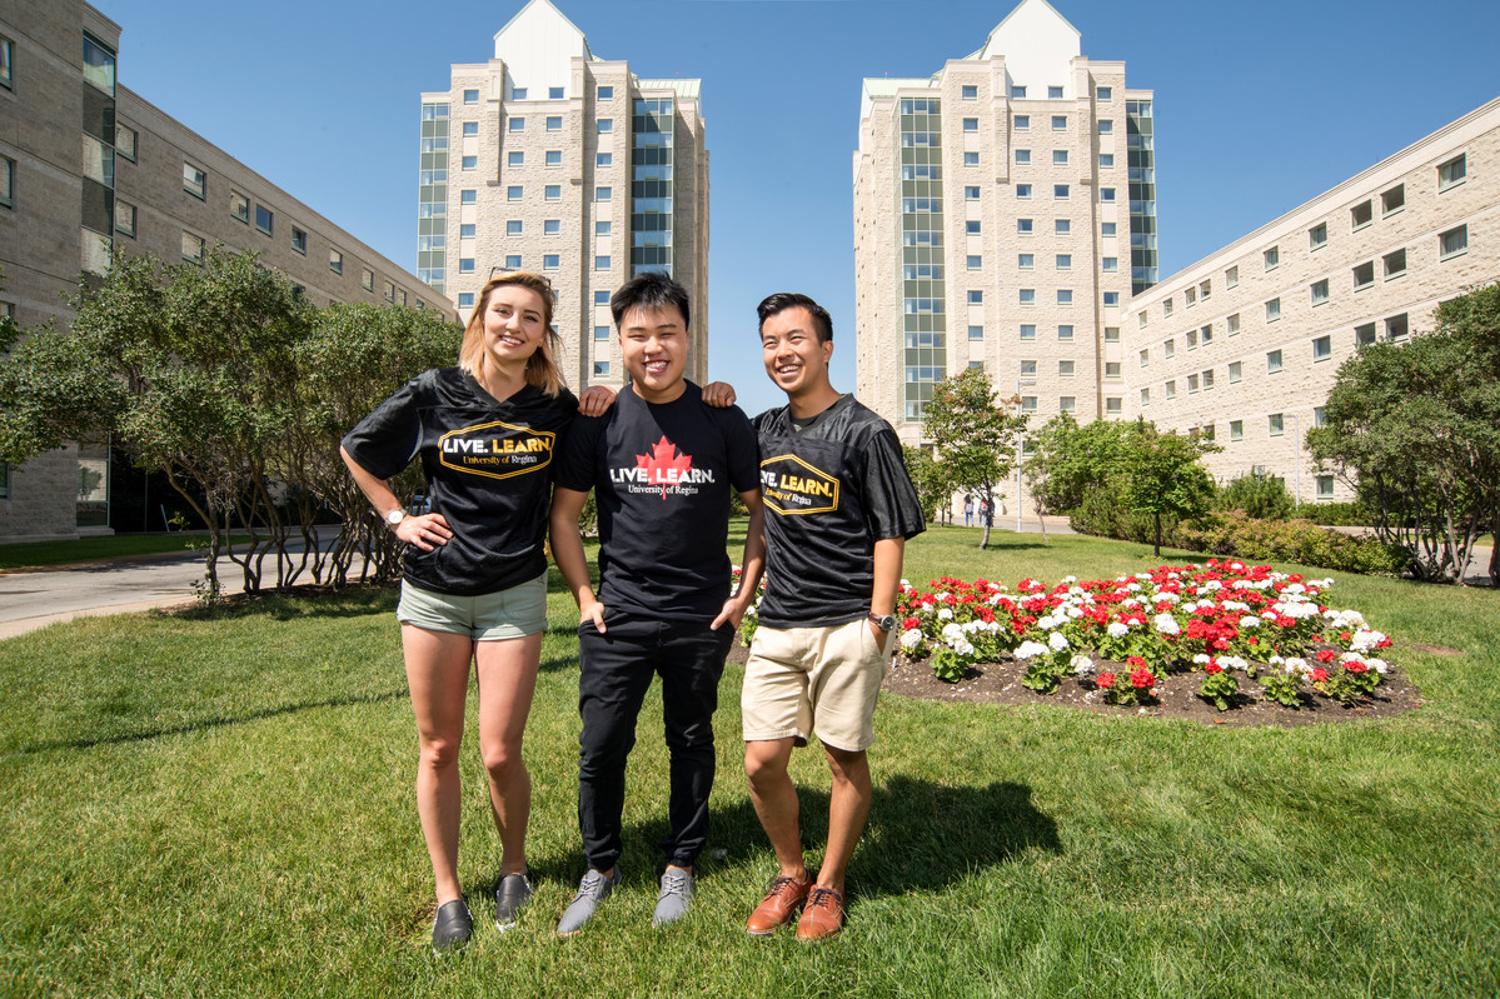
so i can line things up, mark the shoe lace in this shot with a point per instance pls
(781, 885)
(674, 883)
(592, 886)
(825, 898)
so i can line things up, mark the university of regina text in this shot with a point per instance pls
(497, 449)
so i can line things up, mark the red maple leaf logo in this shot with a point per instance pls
(664, 465)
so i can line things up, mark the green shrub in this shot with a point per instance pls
(1104, 514)
(1350, 514)
(1258, 495)
(1296, 540)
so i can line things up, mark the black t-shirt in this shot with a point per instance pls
(663, 474)
(489, 468)
(831, 490)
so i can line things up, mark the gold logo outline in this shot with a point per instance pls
(551, 438)
(834, 505)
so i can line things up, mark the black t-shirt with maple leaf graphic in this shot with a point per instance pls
(663, 474)
(489, 467)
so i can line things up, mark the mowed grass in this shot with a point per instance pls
(45, 554)
(221, 804)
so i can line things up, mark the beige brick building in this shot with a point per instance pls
(995, 207)
(144, 183)
(548, 158)
(1245, 343)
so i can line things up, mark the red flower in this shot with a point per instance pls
(911, 623)
(1104, 681)
(1319, 674)
(1142, 678)
(1344, 636)
(1355, 666)
(1135, 661)
(1326, 656)
(1212, 667)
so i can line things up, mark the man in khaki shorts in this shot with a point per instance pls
(840, 507)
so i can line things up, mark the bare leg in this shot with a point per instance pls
(437, 671)
(507, 681)
(848, 807)
(775, 800)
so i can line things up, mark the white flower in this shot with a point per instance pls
(911, 639)
(1030, 650)
(1082, 665)
(962, 647)
(1164, 598)
(1366, 640)
(1378, 665)
(1118, 629)
(905, 582)
(753, 609)
(952, 633)
(1295, 664)
(1232, 662)
(1200, 659)
(1057, 641)
(945, 614)
(1296, 611)
(1249, 623)
(1167, 624)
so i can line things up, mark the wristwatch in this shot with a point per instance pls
(885, 622)
(395, 517)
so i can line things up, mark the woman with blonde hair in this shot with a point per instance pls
(474, 582)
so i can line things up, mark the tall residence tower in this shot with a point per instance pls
(1004, 213)
(548, 158)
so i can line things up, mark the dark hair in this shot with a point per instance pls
(783, 300)
(652, 290)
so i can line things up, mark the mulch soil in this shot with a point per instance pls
(1000, 683)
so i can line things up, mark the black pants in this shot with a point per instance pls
(617, 667)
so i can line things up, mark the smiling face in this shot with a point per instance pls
(654, 349)
(514, 324)
(796, 361)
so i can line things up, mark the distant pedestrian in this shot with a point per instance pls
(987, 512)
(968, 511)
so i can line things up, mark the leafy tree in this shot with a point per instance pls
(1071, 461)
(973, 436)
(1416, 430)
(930, 478)
(1164, 477)
(1259, 495)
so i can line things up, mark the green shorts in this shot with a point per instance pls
(488, 617)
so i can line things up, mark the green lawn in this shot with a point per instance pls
(40, 554)
(221, 805)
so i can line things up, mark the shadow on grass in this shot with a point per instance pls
(921, 836)
(354, 600)
(203, 724)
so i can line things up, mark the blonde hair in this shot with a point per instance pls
(541, 367)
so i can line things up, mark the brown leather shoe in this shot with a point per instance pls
(784, 896)
(822, 916)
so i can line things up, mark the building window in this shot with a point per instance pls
(1111, 334)
(192, 248)
(1273, 310)
(1028, 369)
(265, 219)
(976, 332)
(1065, 333)
(971, 193)
(512, 262)
(605, 93)
(1236, 430)
(1320, 416)
(601, 332)
(7, 54)
(554, 123)
(367, 279)
(299, 241)
(974, 262)
(1317, 236)
(971, 159)
(239, 206)
(549, 261)
(1394, 264)
(1023, 156)
(1361, 215)
(125, 141)
(1024, 226)
(1192, 381)
(554, 93)
(1273, 258)
(1065, 369)
(1325, 487)
(1054, 93)
(465, 266)
(1232, 324)
(604, 159)
(1028, 331)
(1236, 371)
(1028, 296)
(601, 297)
(471, 128)
(336, 261)
(1059, 123)
(1067, 403)
(601, 263)
(551, 227)
(1171, 388)
(971, 124)
(469, 163)
(466, 300)
(976, 297)
(971, 227)
(1169, 348)
(1393, 201)
(970, 92)
(1206, 335)
(1103, 93)
(1018, 93)
(1112, 298)
(1107, 195)
(1028, 404)
(1112, 406)
(514, 227)
(1025, 261)
(516, 124)
(515, 192)
(601, 369)
(1232, 277)
(552, 192)
(1275, 425)
(518, 93)
(1454, 242)
(1320, 292)
(603, 228)
(1106, 161)
(1106, 126)
(1322, 348)
(603, 193)
(604, 126)
(1107, 229)
(1364, 275)
(513, 158)
(1064, 261)
(1022, 122)
(466, 230)
(471, 97)
(1062, 227)
(1273, 362)
(1110, 265)
(1192, 339)
(1145, 397)
(1060, 192)
(1059, 157)
(1453, 173)
(1364, 335)
(1190, 297)
(194, 181)
(1396, 328)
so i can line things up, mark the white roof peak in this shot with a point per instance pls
(538, 18)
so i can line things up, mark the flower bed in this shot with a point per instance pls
(1226, 626)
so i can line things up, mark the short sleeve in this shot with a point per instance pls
(890, 500)
(743, 447)
(384, 442)
(577, 457)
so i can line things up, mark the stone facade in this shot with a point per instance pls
(527, 188)
(1259, 381)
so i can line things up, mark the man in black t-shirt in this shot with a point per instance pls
(662, 464)
(841, 507)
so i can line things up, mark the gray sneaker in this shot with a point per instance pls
(510, 898)
(451, 927)
(675, 897)
(593, 889)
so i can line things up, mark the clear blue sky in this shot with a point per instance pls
(1260, 106)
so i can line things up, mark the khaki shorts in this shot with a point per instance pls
(488, 617)
(821, 681)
